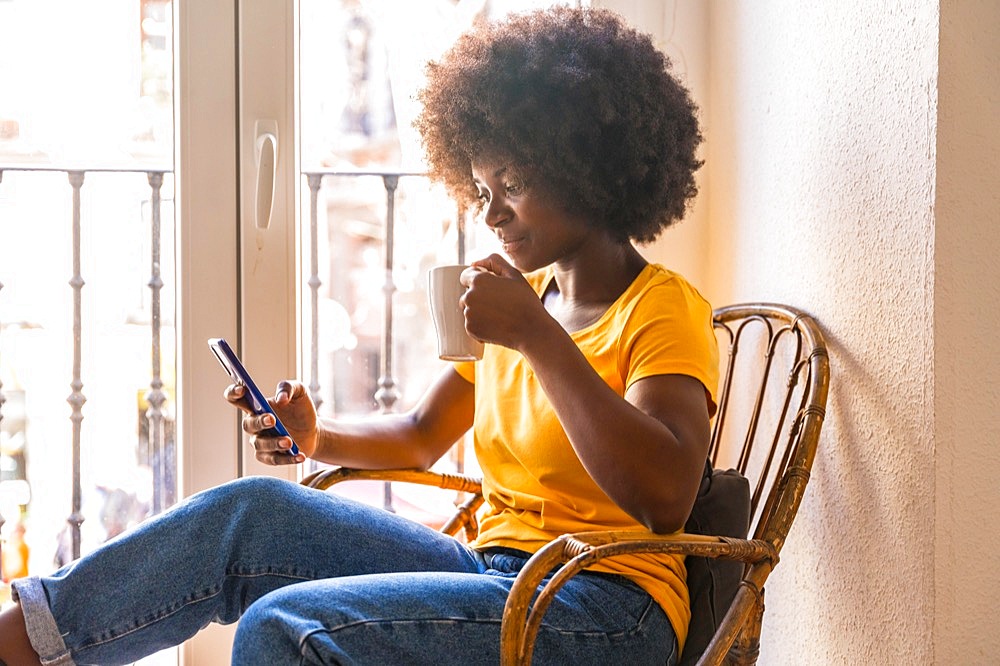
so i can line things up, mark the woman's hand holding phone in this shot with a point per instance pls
(291, 404)
(275, 442)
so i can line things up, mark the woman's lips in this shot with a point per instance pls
(511, 245)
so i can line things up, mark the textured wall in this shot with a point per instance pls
(822, 129)
(853, 168)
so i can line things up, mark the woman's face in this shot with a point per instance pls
(533, 229)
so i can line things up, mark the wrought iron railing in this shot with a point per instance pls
(164, 475)
(386, 392)
(162, 453)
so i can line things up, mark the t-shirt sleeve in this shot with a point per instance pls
(670, 332)
(467, 370)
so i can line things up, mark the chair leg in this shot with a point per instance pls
(746, 648)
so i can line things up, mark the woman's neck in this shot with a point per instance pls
(582, 291)
(599, 274)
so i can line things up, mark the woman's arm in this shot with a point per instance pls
(646, 450)
(414, 439)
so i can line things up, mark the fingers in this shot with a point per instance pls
(283, 393)
(497, 265)
(269, 449)
(274, 451)
(257, 426)
(287, 391)
(254, 424)
(236, 394)
(279, 458)
(470, 273)
(486, 270)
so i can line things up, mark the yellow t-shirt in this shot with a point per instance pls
(535, 487)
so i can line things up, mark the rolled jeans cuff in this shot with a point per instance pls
(42, 630)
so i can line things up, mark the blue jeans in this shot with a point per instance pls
(314, 578)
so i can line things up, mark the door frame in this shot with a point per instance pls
(233, 281)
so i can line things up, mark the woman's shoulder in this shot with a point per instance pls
(658, 284)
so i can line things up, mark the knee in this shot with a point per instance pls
(265, 634)
(249, 497)
(253, 491)
(261, 487)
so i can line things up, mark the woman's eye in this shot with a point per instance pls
(484, 197)
(512, 188)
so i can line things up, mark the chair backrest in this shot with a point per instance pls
(775, 377)
(767, 374)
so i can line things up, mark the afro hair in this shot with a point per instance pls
(583, 106)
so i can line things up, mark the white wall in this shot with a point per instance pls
(822, 134)
(853, 169)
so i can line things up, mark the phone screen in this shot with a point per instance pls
(258, 403)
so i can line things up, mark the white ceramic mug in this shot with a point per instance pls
(444, 289)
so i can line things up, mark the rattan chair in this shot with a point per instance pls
(775, 380)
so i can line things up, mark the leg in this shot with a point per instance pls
(447, 618)
(208, 559)
(14, 645)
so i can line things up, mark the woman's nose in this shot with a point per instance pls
(496, 213)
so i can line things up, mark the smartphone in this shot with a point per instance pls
(258, 403)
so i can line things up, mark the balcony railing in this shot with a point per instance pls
(386, 391)
(160, 453)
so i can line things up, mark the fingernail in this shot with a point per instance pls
(269, 420)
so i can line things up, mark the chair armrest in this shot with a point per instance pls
(324, 478)
(572, 553)
(464, 517)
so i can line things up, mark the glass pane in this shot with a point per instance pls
(87, 272)
(86, 83)
(360, 65)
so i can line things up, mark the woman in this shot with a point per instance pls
(590, 408)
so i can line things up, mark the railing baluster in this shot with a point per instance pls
(388, 393)
(76, 398)
(461, 213)
(314, 285)
(161, 459)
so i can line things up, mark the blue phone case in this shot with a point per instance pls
(258, 403)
